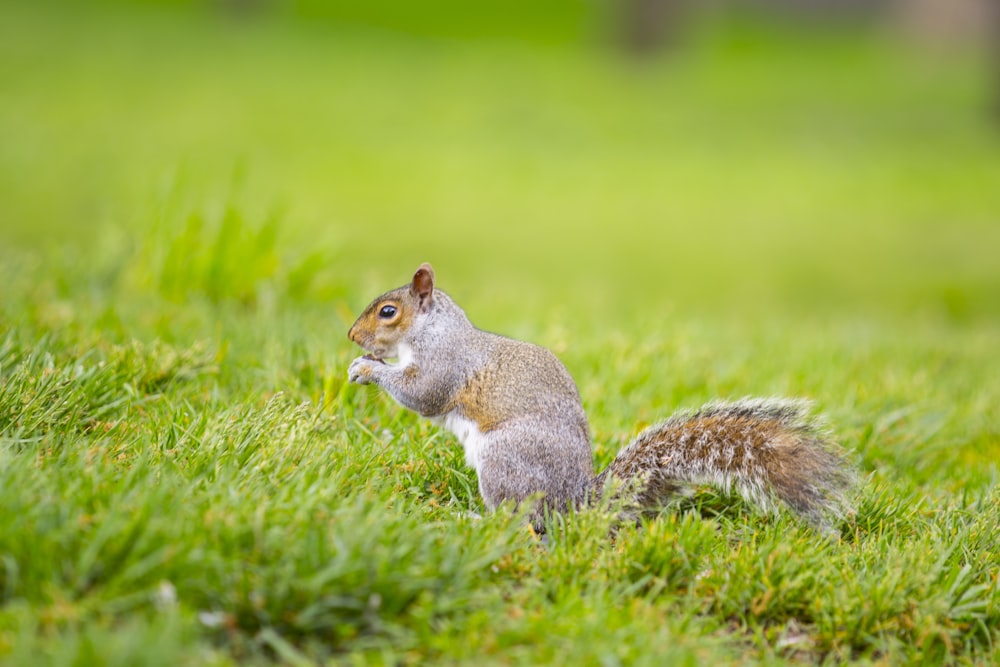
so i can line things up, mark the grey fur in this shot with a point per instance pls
(519, 415)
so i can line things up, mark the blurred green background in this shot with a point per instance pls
(750, 158)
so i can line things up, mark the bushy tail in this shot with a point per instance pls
(764, 449)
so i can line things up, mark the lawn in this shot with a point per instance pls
(194, 207)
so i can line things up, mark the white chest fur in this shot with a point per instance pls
(404, 355)
(468, 433)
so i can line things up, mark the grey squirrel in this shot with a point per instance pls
(517, 412)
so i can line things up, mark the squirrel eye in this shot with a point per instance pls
(387, 312)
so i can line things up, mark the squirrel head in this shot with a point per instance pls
(387, 319)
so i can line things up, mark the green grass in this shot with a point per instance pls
(193, 212)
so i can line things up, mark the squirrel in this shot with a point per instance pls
(517, 412)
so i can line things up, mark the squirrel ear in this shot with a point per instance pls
(423, 283)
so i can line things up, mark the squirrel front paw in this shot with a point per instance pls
(361, 370)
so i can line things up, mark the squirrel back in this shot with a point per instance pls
(517, 412)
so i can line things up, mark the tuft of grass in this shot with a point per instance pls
(223, 259)
(44, 388)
